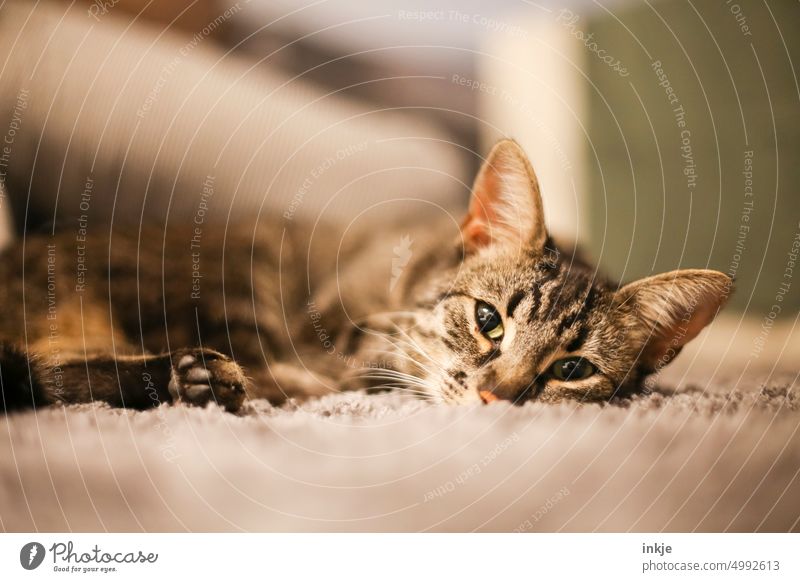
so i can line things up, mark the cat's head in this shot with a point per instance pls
(519, 320)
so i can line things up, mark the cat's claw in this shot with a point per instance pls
(202, 376)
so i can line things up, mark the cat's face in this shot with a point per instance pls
(518, 320)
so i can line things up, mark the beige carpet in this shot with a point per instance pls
(696, 460)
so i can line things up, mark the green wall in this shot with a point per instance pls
(645, 216)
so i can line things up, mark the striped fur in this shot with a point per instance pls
(277, 310)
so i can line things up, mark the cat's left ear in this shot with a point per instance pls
(673, 308)
(506, 206)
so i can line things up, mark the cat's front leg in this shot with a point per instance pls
(193, 376)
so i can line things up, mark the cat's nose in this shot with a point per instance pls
(514, 394)
(487, 396)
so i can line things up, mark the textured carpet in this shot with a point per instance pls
(693, 460)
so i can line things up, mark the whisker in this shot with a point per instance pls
(395, 376)
(401, 380)
(402, 354)
(390, 372)
(407, 390)
(419, 349)
(408, 377)
(403, 347)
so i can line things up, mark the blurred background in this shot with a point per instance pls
(665, 134)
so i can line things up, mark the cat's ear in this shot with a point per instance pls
(673, 308)
(506, 206)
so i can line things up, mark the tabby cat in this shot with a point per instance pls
(282, 311)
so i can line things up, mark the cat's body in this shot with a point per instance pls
(491, 311)
(278, 300)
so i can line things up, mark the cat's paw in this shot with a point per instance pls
(200, 376)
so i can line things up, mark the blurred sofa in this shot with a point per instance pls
(118, 121)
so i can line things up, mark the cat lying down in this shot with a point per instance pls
(286, 310)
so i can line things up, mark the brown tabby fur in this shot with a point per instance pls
(303, 312)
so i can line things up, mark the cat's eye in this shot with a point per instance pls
(489, 321)
(574, 368)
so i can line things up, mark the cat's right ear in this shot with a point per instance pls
(505, 207)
